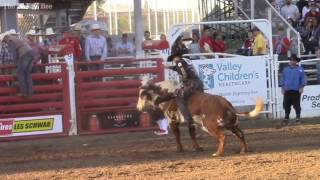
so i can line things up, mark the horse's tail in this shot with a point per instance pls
(256, 111)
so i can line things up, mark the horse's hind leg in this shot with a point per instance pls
(192, 133)
(240, 135)
(215, 131)
(176, 131)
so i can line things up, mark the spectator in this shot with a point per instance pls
(218, 44)
(292, 84)
(95, 45)
(163, 37)
(205, 41)
(76, 33)
(112, 52)
(306, 9)
(37, 49)
(50, 38)
(147, 35)
(246, 48)
(125, 47)
(318, 65)
(24, 58)
(290, 10)
(278, 4)
(259, 43)
(96, 48)
(309, 35)
(281, 44)
(72, 42)
(7, 57)
(194, 45)
(300, 4)
(179, 47)
(314, 11)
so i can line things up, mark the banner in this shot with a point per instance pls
(9, 3)
(240, 80)
(31, 126)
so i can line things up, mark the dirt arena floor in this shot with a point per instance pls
(291, 153)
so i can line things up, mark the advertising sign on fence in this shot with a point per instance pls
(31, 126)
(240, 80)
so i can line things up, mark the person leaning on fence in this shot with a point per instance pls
(95, 47)
(259, 43)
(24, 58)
(292, 84)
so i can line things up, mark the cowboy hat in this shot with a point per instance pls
(173, 55)
(77, 27)
(49, 31)
(10, 32)
(95, 27)
(31, 32)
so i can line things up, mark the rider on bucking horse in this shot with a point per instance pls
(190, 83)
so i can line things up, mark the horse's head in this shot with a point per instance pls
(149, 92)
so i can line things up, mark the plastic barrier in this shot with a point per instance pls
(107, 92)
(45, 114)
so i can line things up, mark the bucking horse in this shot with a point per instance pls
(212, 113)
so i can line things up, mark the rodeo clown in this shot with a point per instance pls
(190, 83)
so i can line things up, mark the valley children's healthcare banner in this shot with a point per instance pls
(240, 80)
(31, 126)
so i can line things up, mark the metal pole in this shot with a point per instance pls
(156, 16)
(129, 13)
(149, 17)
(252, 9)
(115, 17)
(95, 16)
(138, 30)
(110, 17)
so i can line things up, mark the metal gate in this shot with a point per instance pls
(109, 90)
(46, 113)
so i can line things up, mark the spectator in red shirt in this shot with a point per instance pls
(281, 44)
(73, 42)
(218, 44)
(205, 42)
(314, 11)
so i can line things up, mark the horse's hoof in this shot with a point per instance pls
(243, 152)
(199, 149)
(216, 155)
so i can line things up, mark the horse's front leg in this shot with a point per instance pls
(176, 131)
(192, 133)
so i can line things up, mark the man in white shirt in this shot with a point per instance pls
(290, 10)
(96, 45)
(125, 48)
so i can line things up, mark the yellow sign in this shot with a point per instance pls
(33, 125)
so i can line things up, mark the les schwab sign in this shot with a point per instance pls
(31, 126)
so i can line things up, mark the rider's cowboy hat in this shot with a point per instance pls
(173, 55)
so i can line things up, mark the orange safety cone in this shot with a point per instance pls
(94, 124)
(144, 120)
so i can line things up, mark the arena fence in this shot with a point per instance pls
(107, 93)
(46, 113)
